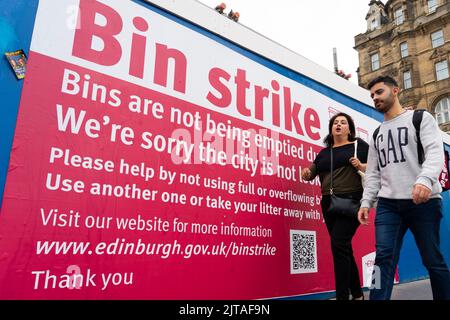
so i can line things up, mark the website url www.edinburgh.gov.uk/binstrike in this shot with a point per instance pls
(163, 250)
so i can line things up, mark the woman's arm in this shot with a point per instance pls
(309, 173)
(363, 150)
(358, 165)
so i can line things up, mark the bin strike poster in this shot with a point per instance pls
(153, 160)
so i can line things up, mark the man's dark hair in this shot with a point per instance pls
(386, 79)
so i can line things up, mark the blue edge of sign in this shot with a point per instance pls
(16, 34)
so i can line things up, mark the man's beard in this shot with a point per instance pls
(386, 104)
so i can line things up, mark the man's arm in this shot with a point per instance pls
(372, 182)
(431, 138)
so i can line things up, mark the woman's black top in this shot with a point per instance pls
(345, 177)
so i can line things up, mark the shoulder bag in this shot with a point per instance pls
(362, 174)
(343, 207)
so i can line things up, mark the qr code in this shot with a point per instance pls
(303, 251)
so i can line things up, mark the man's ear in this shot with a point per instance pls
(395, 90)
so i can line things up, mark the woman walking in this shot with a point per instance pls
(345, 183)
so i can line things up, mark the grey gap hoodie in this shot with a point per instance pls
(393, 168)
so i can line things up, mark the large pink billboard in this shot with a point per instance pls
(151, 161)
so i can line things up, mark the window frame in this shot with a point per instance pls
(402, 50)
(444, 111)
(398, 20)
(437, 72)
(372, 61)
(374, 24)
(433, 41)
(433, 8)
(405, 86)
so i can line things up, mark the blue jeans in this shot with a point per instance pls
(393, 219)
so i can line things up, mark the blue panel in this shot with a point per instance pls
(410, 265)
(445, 227)
(16, 27)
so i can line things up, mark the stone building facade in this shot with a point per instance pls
(410, 40)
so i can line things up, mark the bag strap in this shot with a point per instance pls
(356, 148)
(417, 119)
(331, 172)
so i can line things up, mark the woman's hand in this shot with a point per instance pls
(306, 174)
(357, 164)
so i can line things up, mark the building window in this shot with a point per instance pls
(404, 49)
(442, 70)
(398, 16)
(437, 38)
(375, 60)
(407, 81)
(432, 5)
(374, 24)
(442, 111)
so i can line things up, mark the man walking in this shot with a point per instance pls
(408, 193)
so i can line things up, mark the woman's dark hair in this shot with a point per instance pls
(329, 141)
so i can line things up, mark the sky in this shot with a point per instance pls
(311, 28)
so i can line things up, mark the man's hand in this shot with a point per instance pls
(420, 194)
(363, 216)
(306, 174)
